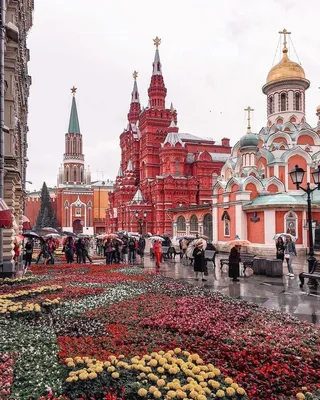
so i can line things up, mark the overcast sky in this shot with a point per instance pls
(215, 57)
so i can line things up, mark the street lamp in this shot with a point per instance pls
(140, 219)
(297, 175)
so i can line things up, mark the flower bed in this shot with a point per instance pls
(107, 334)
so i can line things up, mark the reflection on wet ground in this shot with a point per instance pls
(281, 294)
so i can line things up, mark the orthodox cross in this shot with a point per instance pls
(135, 75)
(73, 90)
(157, 41)
(284, 32)
(249, 109)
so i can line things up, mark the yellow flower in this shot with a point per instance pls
(115, 375)
(181, 394)
(70, 364)
(300, 396)
(161, 382)
(193, 394)
(99, 369)
(162, 361)
(107, 363)
(142, 392)
(157, 394)
(241, 391)
(230, 391)
(234, 385)
(177, 350)
(215, 384)
(121, 356)
(92, 375)
(111, 369)
(69, 379)
(83, 376)
(228, 381)
(216, 371)
(153, 363)
(152, 389)
(171, 394)
(220, 393)
(160, 370)
(201, 397)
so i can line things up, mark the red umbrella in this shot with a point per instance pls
(5, 215)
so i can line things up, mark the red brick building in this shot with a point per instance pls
(160, 168)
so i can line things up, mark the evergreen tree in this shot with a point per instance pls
(46, 220)
(45, 205)
(54, 222)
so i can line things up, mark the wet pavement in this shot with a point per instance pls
(281, 294)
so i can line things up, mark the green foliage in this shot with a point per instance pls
(46, 217)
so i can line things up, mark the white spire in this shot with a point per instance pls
(135, 93)
(173, 124)
(130, 165)
(138, 197)
(120, 172)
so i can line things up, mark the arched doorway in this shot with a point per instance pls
(77, 226)
(207, 226)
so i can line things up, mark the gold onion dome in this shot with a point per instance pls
(285, 69)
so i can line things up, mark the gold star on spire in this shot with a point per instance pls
(135, 75)
(157, 42)
(73, 90)
(249, 110)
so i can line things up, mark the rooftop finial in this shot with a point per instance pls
(157, 41)
(249, 110)
(135, 75)
(284, 32)
(73, 90)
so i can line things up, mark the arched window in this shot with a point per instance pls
(66, 215)
(181, 224)
(226, 224)
(298, 101)
(283, 102)
(75, 174)
(291, 223)
(67, 174)
(81, 175)
(177, 167)
(270, 105)
(207, 225)
(194, 224)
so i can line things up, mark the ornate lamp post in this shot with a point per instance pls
(297, 175)
(141, 219)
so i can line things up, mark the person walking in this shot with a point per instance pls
(280, 248)
(40, 252)
(29, 251)
(289, 253)
(79, 251)
(142, 246)
(199, 261)
(132, 250)
(157, 250)
(234, 263)
(108, 251)
(68, 249)
(51, 249)
(44, 251)
(85, 250)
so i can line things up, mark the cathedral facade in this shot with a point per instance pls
(161, 168)
(254, 197)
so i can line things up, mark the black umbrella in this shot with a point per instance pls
(31, 234)
(70, 234)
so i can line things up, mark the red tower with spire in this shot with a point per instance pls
(160, 168)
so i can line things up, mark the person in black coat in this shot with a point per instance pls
(199, 261)
(234, 263)
(280, 248)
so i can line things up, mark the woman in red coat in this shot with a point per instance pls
(157, 250)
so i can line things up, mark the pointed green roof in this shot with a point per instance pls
(74, 126)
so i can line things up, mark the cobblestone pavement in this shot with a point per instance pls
(281, 294)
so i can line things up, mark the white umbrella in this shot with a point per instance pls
(283, 235)
(157, 238)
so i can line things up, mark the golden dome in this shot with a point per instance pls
(285, 69)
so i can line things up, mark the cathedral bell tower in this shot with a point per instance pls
(73, 172)
(285, 89)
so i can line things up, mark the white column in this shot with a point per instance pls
(241, 222)
(269, 226)
(174, 229)
(215, 223)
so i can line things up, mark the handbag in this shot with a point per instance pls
(287, 256)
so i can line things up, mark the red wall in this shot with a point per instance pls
(256, 229)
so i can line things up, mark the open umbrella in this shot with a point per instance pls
(49, 230)
(153, 238)
(69, 234)
(283, 235)
(31, 234)
(239, 242)
(52, 235)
